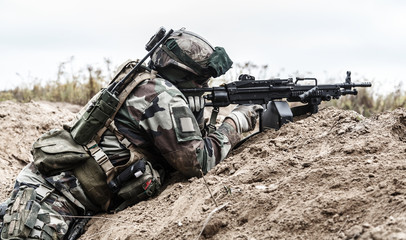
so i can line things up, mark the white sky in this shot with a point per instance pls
(319, 38)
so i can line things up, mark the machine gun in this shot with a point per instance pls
(274, 95)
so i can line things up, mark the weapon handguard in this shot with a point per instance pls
(274, 91)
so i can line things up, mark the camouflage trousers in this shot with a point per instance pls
(36, 210)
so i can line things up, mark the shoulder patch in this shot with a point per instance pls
(185, 126)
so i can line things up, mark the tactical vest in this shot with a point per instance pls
(75, 147)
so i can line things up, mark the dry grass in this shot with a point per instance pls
(73, 87)
(79, 87)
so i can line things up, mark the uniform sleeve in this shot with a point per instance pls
(176, 134)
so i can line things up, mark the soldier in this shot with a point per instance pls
(157, 129)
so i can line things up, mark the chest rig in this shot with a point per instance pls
(76, 147)
(98, 116)
(99, 177)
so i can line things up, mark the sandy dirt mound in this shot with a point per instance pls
(332, 175)
(21, 125)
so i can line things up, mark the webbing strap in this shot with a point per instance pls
(172, 48)
(36, 232)
(135, 153)
(212, 122)
(123, 96)
(102, 159)
(43, 192)
(93, 147)
(120, 137)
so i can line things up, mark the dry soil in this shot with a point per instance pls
(331, 175)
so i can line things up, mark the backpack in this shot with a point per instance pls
(75, 148)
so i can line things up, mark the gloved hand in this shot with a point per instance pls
(196, 103)
(245, 117)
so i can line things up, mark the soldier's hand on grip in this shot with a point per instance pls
(245, 117)
(196, 103)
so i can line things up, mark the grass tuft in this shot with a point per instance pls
(78, 87)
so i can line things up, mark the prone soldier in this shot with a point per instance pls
(122, 144)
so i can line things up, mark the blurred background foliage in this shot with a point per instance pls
(78, 87)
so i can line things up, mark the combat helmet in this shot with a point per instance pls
(186, 56)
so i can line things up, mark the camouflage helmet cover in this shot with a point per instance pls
(187, 56)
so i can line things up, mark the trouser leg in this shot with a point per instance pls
(3, 208)
(35, 210)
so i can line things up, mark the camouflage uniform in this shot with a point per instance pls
(36, 209)
(157, 119)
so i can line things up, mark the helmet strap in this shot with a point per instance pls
(173, 50)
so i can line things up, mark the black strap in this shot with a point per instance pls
(178, 54)
(213, 119)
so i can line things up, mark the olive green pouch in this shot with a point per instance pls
(94, 118)
(141, 188)
(55, 151)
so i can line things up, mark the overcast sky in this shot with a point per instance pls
(318, 37)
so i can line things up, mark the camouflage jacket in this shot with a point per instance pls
(157, 119)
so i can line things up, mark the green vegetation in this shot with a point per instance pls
(79, 87)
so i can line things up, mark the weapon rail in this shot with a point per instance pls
(274, 94)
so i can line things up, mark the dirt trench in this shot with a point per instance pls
(331, 175)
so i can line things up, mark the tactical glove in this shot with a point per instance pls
(196, 103)
(245, 117)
